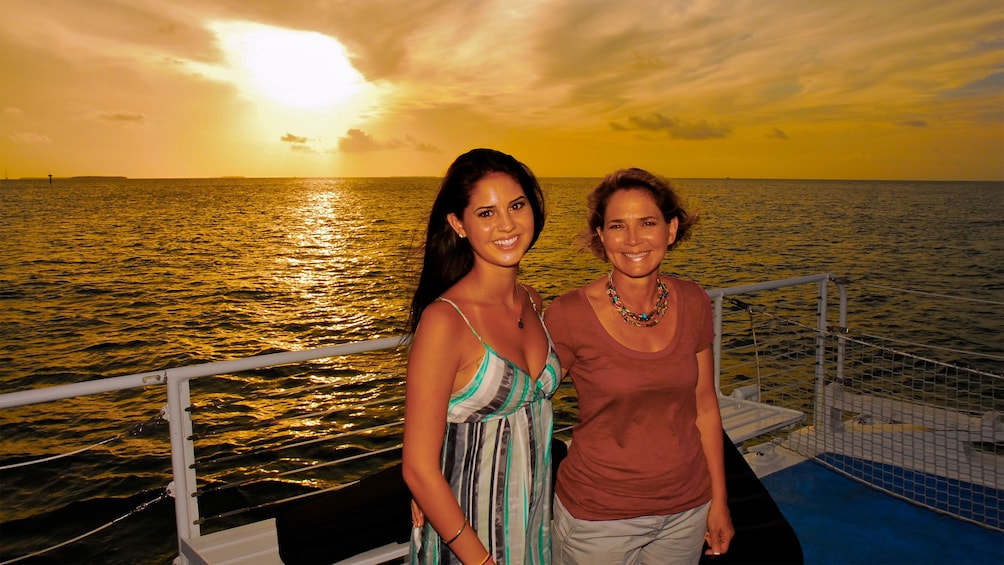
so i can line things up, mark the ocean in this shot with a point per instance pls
(104, 277)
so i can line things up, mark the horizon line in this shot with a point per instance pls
(243, 177)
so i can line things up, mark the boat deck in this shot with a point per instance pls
(257, 543)
(840, 521)
(873, 527)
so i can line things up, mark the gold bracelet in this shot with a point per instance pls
(457, 535)
(487, 557)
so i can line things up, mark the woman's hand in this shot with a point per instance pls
(417, 516)
(720, 530)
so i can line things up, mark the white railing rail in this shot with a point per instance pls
(718, 298)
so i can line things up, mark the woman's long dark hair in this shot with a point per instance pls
(447, 257)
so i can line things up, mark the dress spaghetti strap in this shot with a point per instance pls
(461, 312)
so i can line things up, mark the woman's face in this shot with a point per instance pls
(635, 234)
(498, 221)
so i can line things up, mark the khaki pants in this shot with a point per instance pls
(648, 540)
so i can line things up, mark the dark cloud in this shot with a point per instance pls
(417, 145)
(991, 85)
(290, 138)
(130, 117)
(915, 123)
(358, 141)
(676, 128)
(777, 133)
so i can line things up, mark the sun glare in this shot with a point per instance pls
(295, 69)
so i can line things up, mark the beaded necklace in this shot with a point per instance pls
(640, 320)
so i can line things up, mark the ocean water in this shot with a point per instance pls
(106, 277)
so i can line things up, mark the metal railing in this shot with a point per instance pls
(178, 411)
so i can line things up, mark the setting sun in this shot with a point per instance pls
(302, 70)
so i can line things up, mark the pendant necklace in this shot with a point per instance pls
(643, 320)
(519, 319)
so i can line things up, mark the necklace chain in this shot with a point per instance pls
(643, 320)
(519, 318)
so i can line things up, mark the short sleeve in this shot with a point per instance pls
(557, 323)
(705, 319)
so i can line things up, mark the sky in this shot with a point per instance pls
(817, 89)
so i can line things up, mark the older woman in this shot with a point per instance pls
(644, 479)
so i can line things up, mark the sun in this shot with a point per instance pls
(295, 69)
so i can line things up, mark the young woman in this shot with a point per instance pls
(644, 479)
(483, 369)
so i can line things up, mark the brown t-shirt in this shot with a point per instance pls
(636, 450)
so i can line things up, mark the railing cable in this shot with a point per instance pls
(845, 332)
(136, 510)
(938, 347)
(59, 456)
(134, 430)
(934, 294)
(239, 511)
(756, 348)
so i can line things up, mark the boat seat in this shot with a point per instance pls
(368, 521)
(745, 419)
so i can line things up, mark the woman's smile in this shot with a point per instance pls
(507, 243)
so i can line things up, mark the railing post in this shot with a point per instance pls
(186, 505)
(717, 343)
(821, 417)
(833, 417)
(842, 321)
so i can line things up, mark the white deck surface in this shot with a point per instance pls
(258, 544)
(746, 419)
(251, 544)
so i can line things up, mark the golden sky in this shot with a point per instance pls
(863, 89)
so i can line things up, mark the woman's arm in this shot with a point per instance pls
(554, 321)
(709, 422)
(433, 363)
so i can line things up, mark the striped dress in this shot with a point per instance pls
(497, 459)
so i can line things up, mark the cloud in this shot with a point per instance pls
(12, 111)
(30, 138)
(358, 141)
(423, 146)
(128, 117)
(991, 85)
(777, 133)
(290, 138)
(297, 143)
(676, 128)
(915, 123)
